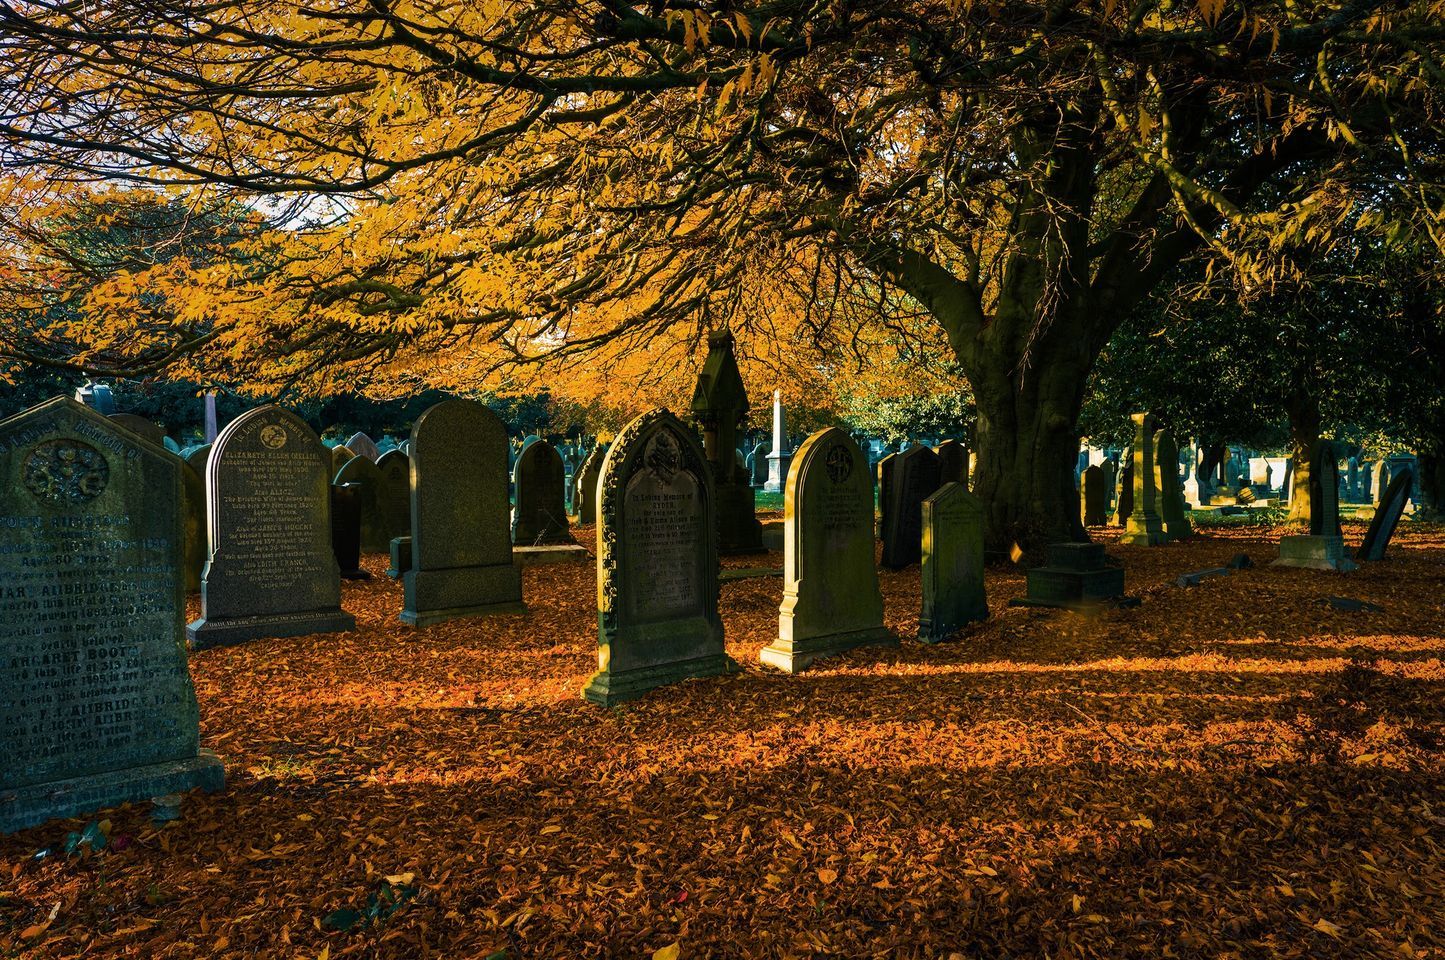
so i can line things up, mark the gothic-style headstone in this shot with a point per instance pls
(1144, 527)
(1093, 497)
(363, 446)
(952, 569)
(1172, 510)
(831, 600)
(272, 571)
(96, 702)
(1387, 517)
(657, 563)
(393, 496)
(584, 497)
(914, 477)
(1323, 548)
(540, 481)
(461, 552)
(720, 410)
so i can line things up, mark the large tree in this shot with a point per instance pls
(490, 183)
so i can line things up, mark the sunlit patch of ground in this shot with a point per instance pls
(1237, 769)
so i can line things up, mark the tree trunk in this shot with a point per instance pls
(1304, 432)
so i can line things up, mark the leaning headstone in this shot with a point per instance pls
(831, 599)
(96, 702)
(720, 410)
(1077, 576)
(1387, 517)
(657, 563)
(952, 463)
(584, 497)
(952, 569)
(1173, 512)
(540, 480)
(152, 431)
(340, 454)
(1323, 548)
(363, 446)
(393, 496)
(1144, 527)
(1094, 498)
(271, 572)
(461, 553)
(914, 477)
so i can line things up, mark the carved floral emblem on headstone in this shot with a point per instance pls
(273, 436)
(66, 471)
(663, 456)
(839, 464)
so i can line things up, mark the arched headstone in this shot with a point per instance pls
(363, 446)
(96, 702)
(952, 462)
(364, 477)
(584, 498)
(393, 497)
(657, 563)
(911, 477)
(831, 600)
(271, 572)
(952, 568)
(540, 481)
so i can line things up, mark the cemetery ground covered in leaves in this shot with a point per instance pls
(1238, 769)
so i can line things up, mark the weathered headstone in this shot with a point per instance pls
(96, 702)
(657, 563)
(340, 454)
(1093, 497)
(831, 599)
(461, 553)
(272, 571)
(720, 410)
(363, 476)
(1076, 576)
(363, 446)
(1144, 527)
(952, 569)
(952, 463)
(584, 498)
(540, 481)
(1323, 548)
(1387, 517)
(393, 496)
(1172, 510)
(914, 477)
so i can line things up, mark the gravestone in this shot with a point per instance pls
(952, 463)
(1380, 482)
(1093, 497)
(1387, 517)
(657, 563)
(779, 459)
(1144, 526)
(340, 454)
(400, 557)
(1172, 510)
(171, 445)
(540, 480)
(1125, 504)
(585, 495)
(272, 571)
(97, 396)
(346, 504)
(831, 599)
(914, 478)
(363, 446)
(197, 457)
(152, 431)
(393, 496)
(1111, 479)
(720, 410)
(1323, 548)
(461, 553)
(952, 570)
(883, 477)
(364, 477)
(193, 507)
(1076, 576)
(96, 702)
(758, 463)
